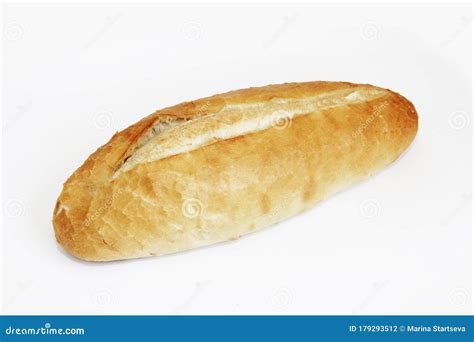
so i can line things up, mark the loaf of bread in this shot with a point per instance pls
(220, 167)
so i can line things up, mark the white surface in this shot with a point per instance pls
(399, 243)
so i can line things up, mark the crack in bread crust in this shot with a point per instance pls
(234, 120)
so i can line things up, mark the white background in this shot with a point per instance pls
(398, 243)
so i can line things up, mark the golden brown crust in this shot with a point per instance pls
(128, 200)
